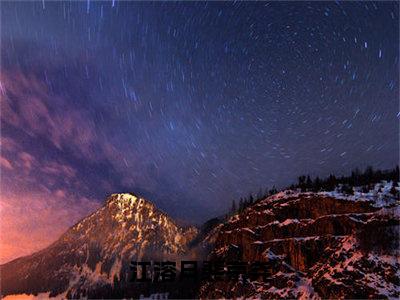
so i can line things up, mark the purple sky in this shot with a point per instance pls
(189, 104)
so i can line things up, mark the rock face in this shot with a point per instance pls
(95, 253)
(316, 246)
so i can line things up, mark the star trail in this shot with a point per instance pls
(190, 104)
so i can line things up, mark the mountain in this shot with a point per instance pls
(316, 246)
(95, 253)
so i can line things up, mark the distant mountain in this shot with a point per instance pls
(315, 244)
(95, 253)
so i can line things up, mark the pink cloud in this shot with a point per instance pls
(60, 193)
(5, 163)
(29, 223)
(8, 144)
(27, 160)
(58, 169)
(27, 104)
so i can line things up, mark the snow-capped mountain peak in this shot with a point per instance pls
(99, 248)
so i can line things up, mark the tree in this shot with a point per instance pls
(251, 199)
(116, 291)
(233, 208)
(332, 182)
(241, 206)
(116, 281)
(347, 189)
(355, 178)
(317, 184)
(369, 174)
(365, 189)
(394, 190)
(302, 181)
(260, 195)
(273, 190)
(308, 182)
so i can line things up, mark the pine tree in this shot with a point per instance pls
(233, 208)
(317, 185)
(393, 190)
(369, 174)
(395, 176)
(302, 181)
(308, 182)
(259, 195)
(347, 189)
(273, 191)
(241, 206)
(251, 199)
(117, 292)
(330, 184)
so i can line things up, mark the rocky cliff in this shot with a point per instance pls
(316, 246)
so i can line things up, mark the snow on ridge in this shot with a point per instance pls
(378, 197)
(289, 221)
(391, 211)
(380, 194)
(127, 199)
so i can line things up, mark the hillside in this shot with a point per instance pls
(96, 252)
(316, 246)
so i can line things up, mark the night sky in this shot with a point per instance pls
(189, 104)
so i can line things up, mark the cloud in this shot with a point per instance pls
(28, 104)
(30, 222)
(27, 160)
(61, 193)
(5, 163)
(30, 107)
(8, 144)
(41, 196)
(57, 169)
(59, 164)
(35, 173)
